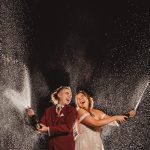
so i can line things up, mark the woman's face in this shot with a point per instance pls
(82, 101)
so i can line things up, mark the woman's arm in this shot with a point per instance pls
(90, 121)
(102, 115)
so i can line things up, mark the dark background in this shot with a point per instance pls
(81, 43)
(108, 30)
(102, 47)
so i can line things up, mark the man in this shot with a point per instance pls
(58, 120)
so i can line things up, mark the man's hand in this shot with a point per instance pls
(30, 112)
(43, 128)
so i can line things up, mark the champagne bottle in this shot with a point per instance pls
(33, 118)
(35, 122)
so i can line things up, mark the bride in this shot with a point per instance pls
(90, 122)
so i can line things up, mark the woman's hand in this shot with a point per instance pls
(132, 113)
(120, 118)
(30, 112)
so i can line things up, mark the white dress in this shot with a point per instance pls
(88, 139)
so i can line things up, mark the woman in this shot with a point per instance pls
(90, 122)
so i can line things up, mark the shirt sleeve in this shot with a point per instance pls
(49, 131)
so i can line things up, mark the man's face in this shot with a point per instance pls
(65, 96)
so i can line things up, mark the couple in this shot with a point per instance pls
(58, 121)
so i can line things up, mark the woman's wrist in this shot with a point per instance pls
(114, 118)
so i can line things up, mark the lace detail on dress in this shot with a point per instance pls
(76, 129)
(88, 138)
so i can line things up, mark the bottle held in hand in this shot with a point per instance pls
(33, 118)
(130, 114)
(35, 122)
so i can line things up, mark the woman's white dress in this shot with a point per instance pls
(88, 139)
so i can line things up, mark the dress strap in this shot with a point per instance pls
(83, 117)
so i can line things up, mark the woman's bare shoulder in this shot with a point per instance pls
(97, 111)
(81, 111)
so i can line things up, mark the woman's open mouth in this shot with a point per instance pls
(82, 102)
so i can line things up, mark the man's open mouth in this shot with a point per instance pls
(68, 100)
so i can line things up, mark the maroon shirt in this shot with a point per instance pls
(61, 128)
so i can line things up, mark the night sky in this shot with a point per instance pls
(105, 31)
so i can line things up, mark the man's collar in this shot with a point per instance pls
(59, 105)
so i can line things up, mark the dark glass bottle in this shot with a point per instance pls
(35, 122)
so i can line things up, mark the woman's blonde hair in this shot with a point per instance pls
(90, 99)
(54, 95)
